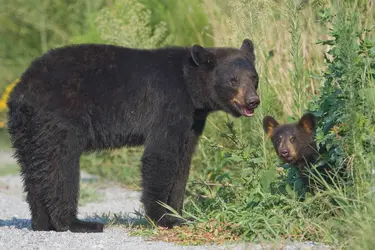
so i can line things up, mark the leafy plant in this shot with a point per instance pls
(132, 22)
(242, 188)
(341, 107)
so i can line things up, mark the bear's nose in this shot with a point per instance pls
(284, 152)
(253, 102)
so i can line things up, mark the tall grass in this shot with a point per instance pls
(236, 175)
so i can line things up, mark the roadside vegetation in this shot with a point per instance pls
(316, 56)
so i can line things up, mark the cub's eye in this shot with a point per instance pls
(293, 139)
(278, 140)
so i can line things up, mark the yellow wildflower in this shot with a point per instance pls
(5, 95)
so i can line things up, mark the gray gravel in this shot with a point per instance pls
(15, 230)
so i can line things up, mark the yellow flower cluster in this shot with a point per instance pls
(5, 95)
(4, 99)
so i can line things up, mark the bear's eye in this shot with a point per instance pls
(293, 139)
(278, 140)
(234, 80)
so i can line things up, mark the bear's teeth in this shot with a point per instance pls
(248, 112)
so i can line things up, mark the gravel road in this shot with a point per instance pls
(15, 230)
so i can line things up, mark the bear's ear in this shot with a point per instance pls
(269, 125)
(308, 123)
(202, 57)
(248, 47)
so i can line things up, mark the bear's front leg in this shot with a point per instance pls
(159, 173)
(176, 197)
(165, 170)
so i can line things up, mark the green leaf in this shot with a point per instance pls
(267, 178)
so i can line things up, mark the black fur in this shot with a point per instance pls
(84, 98)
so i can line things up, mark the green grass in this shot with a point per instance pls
(88, 193)
(118, 165)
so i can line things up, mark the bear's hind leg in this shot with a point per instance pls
(22, 134)
(40, 218)
(49, 153)
(63, 191)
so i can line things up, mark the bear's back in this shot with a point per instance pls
(80, 77)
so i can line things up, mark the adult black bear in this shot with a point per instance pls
(83, 98)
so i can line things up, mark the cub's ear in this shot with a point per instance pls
(202, 57)
(269, 125)
(308, 123)
(248, 47)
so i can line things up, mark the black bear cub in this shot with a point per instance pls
(89, 97)
(295, 144)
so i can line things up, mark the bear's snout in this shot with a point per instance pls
(252, 102)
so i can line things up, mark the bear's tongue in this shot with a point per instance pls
(247, 112)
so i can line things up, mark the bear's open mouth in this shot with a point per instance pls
(245, 111)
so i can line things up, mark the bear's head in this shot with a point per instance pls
(233, 79)
(293, 142)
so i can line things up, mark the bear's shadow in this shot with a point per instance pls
(116, 220)
(16, 223)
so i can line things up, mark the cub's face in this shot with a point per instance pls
(293, 142)
(234, 77)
